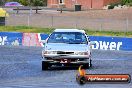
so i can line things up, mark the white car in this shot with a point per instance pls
(67, 47)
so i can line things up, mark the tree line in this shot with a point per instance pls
(26, 2)
(126, 1)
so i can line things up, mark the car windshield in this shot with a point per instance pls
(68, 37)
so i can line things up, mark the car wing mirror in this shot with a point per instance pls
(92, 43)
(42, 41)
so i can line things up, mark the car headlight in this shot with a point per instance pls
(50, 52)
(81, 53)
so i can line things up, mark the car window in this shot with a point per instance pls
(67, 37)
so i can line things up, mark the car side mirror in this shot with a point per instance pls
(92, 43)
(43, 41)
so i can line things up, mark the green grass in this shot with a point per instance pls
(109, 33)
(49, 30)
(25, 29)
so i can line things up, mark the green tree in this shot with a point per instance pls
(34, 2)
(38, 3)
(1, 3)
(28, 2)
(24, 2)
(126, 1)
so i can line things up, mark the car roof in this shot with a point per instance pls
(69, 30)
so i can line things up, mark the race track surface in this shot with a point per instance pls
(20, 67)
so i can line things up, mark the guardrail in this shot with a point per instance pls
(27, 8)
(33, 39)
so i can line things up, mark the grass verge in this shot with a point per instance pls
(49, 30)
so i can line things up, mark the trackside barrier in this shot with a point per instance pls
(111, 43)
(10, 38)
(33, 39)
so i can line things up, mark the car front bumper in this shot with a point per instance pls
(71, 64)
(62, 56)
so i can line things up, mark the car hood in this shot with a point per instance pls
(66, 47)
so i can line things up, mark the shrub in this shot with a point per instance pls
(129, 4)
(112, 5)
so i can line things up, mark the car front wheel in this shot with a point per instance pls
(45, 65)
(90, 61)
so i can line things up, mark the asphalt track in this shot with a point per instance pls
(20, 67)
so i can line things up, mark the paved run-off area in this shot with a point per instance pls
(20, 67)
